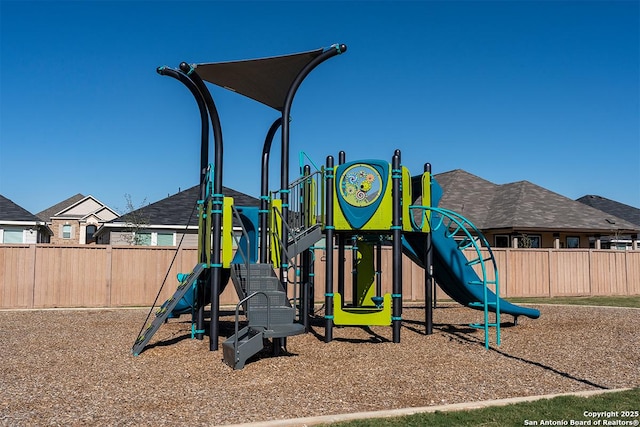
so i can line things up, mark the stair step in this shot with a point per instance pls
(263, 284)
(281, 331)
(261, 317)
(255, 270)
(273, 298)
(249, 342)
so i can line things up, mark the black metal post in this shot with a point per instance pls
(202, 179)
(428, 264)
(217, 200)
(354, 271)
(396, 227)
(329, 232)
(284, 164)
(306, 254)
(379, 269)
(340, 241)
(264, 192)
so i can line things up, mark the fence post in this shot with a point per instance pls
(109, 277)
(33, 249)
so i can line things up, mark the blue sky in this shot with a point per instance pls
(544, 91)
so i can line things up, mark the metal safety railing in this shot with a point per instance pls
(457, 225)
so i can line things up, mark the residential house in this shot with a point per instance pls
(168, 222)
(617, 209)
(76, 219)
(17, 225)
(524, 215)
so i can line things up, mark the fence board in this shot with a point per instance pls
(43, 275)
(569, 272)
(527, 273)
(70, 276)
(608, 273)
(633, 272)
(16, 275)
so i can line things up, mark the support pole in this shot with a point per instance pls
(396, 227)
(354, 271)
(306, 254)
(284, 164)
(203, 235)
(329, 232)
(264, 192)
(341, 245)
(379, 269)
(428, 263)
(217, 200)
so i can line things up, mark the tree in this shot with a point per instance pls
(136, 222)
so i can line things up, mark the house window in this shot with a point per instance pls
(529, 241)
(154, 239)
(501, 241)
(66, 231)
(142, 239)
(573, 242)
(164, 239)
(12, 235)
(91, 230)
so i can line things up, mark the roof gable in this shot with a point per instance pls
(46, 214)
(81, 208)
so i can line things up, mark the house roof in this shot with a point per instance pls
(521, 205)
(179, 209)
(10, 211)
(612, 207)
(46, 214)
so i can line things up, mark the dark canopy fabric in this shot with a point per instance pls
(266, 80)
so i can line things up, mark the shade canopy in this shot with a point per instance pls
(266, 80)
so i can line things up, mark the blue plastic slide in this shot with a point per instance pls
(450, 268)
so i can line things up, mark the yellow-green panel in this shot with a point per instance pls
(406, 199)
(426, 200)
(227, 232)
(381, 221)
(362, 316)
(366, 273)
(275, 224)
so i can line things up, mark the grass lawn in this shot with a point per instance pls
(612, 301)
(559, 411)
(565, 410)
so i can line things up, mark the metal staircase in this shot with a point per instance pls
(267, 308)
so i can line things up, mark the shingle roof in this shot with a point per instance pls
(46, 214)
(612, 207)
(10, 211)
(520, 205)
(180, 208)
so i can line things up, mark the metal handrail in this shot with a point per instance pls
(294, 265)
(461, 222)
(245, 256)
(237, 322)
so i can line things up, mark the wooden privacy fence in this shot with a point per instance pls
(47, 276)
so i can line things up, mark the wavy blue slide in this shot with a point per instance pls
(450, 268)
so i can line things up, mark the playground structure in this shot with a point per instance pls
(361, 205)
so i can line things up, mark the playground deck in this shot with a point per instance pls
(64, 367)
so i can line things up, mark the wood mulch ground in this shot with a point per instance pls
(74, 367)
